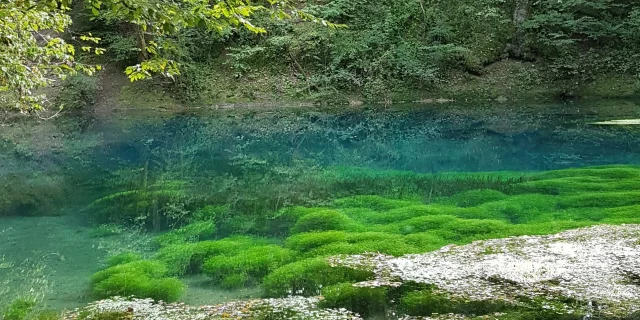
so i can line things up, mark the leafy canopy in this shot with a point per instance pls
(37, 47)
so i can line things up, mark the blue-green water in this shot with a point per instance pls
(254, 163)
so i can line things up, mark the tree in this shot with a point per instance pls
(34, 52)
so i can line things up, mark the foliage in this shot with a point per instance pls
(605, 29)
(31, 57)
(78, 92)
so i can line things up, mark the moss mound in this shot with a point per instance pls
(142, 278)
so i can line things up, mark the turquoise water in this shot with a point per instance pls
(54, 235)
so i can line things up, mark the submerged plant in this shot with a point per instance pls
(237, 270)
(19, 309)
(141, 278)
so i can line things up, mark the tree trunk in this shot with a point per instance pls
(142, 44)
(521, 13)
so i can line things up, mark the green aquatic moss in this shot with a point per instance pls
(143, 279)
(392, 247)
(428, 302)
(122, 258)
(362, 300)
(418, 224)
(474, 198)
(108, 315)
(579, 180)
(154, 269)
(188, 258)
(177, 258)
(469, 230)
(307, 277)
(19, 309)
(324, 220)
(605, 172)
(517, 209)
(192, 232)
(426, 241)
(373, 223)
(228, 246)
(600, 200)
(400, 214)
(139, 285)
(303, 242)
(376, 203)
(253, 264)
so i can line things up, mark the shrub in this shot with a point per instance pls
(122, 258)
(362, 300)
(306, 277)
(324, 220)
(78, 92)
(142, 278)
(253, 264)
(474, 198)
(192, 232)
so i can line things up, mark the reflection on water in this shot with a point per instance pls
(435, 176)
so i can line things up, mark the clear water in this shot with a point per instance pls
(54, 256)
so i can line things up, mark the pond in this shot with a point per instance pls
(207, 207)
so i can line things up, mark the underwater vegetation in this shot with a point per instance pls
(250, 201)
(292, 260)
(29, 196)
(142, 278)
